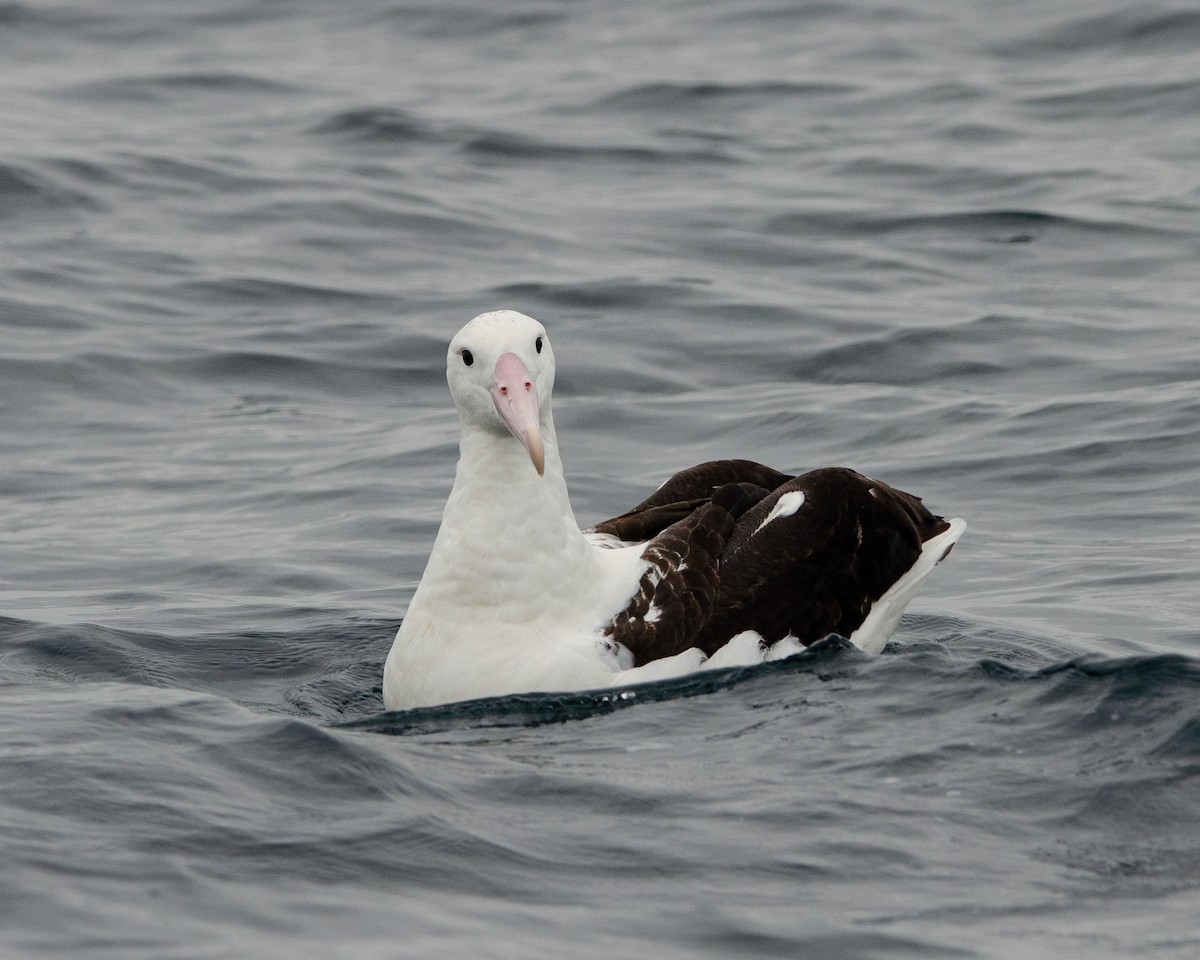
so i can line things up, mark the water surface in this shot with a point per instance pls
(954, 248)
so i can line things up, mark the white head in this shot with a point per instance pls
(500, 368)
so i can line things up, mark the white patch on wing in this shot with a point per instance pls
(785, 506)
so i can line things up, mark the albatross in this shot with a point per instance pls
(728, 563)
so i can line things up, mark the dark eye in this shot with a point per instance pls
(468, 359)
(537, 344)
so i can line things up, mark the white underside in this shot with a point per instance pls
(565, 659)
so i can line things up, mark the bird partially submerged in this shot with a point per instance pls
(729, 562)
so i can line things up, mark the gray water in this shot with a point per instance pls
(953, 246)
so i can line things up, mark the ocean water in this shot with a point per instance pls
(954, 246)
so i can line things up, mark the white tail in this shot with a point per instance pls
(885, 612)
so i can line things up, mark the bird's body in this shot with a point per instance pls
(515, 597)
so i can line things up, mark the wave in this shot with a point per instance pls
(332, 671)
(593, 294)
(170, 87)
(1129, 29)
(1139, 99)
(318, 673)
(28, 190)
(1154, 687)
(1000, 225)
(457, 20)
(512, 145)
(388, 125)
(684, 96)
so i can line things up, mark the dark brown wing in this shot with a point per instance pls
(677, 594)
(685, 493)
(816, 570)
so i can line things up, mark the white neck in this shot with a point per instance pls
(509, 541)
